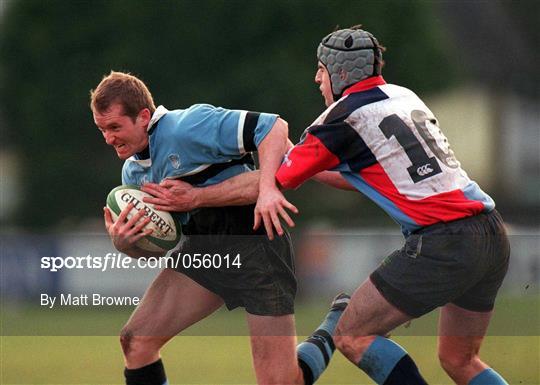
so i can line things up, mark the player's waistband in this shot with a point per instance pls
(228, 220)
(488, 217)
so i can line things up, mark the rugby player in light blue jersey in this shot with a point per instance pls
(205, 145)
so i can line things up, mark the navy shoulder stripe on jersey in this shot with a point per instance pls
(248, 133)
(345, 143)
(354, 101)
(214, 169)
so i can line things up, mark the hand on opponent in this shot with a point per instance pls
(171, 195)
(271, 205)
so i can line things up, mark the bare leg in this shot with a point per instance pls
(368, 315)
(461, 333)
(273, 347)
(360, 336)
(172, 303)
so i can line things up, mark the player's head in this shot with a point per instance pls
(125, 89)
(122, 107)
(348, 55)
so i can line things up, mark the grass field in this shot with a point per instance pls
(81, 347)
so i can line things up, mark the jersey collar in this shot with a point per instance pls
(158, 114)
(365, 84)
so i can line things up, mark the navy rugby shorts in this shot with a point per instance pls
(461, 262)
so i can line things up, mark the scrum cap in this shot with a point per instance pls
(350, 55)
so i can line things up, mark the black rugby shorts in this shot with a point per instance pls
(264, 283)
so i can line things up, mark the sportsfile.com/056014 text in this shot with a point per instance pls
(112, 261)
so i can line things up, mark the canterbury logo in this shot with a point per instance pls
(424, 170)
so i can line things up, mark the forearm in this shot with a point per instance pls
(334, 179)
(271, 151)
(239, 190)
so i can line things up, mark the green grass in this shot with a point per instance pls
(217, 351)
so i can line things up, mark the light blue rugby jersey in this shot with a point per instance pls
(191, 143)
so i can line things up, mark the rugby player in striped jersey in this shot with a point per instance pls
(383, 141)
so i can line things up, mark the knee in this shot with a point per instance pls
(455, 363)
(138, 350)
(343, 343)
(126, 336)
(352, 347)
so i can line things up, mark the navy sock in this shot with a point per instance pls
(387, 363)
(405, 373)
(306, 370)
(153, 374)
(314, 353)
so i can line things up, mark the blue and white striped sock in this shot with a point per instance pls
(314, 353)
(387, 363)
(488, 377)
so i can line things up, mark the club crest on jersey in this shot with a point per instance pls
(175, 160)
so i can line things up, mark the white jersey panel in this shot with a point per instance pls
(402, 128)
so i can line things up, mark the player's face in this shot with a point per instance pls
(322, 78)
(121, 132)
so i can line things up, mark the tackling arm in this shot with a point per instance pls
(334, 179)
(176, 195)
(271, 203)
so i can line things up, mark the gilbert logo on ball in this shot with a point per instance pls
(166, 230)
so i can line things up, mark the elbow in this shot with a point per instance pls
(282, 128)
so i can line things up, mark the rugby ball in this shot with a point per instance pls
(166, 230)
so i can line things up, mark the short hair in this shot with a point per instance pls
(125, 89)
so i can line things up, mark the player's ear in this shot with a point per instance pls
(144, 116)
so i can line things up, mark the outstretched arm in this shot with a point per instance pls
(176, 195)
(334, 179)
(271, 203)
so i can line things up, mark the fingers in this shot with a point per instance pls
(108, 217)
(134, 220)
(154, 189)
(289, 206)
(268, 226)
(285, 217)
(162, 197)
(276, 223)
(159, 197)
(168, 183)
(139, 226)
(164, 204)
(140, 235)
(270, 212)
(124, 225)
(155, 201)
(164, 208)
(257, 221)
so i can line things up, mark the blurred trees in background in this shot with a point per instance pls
(254, 55)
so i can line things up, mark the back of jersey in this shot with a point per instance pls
(387, 144)
(415, 176)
